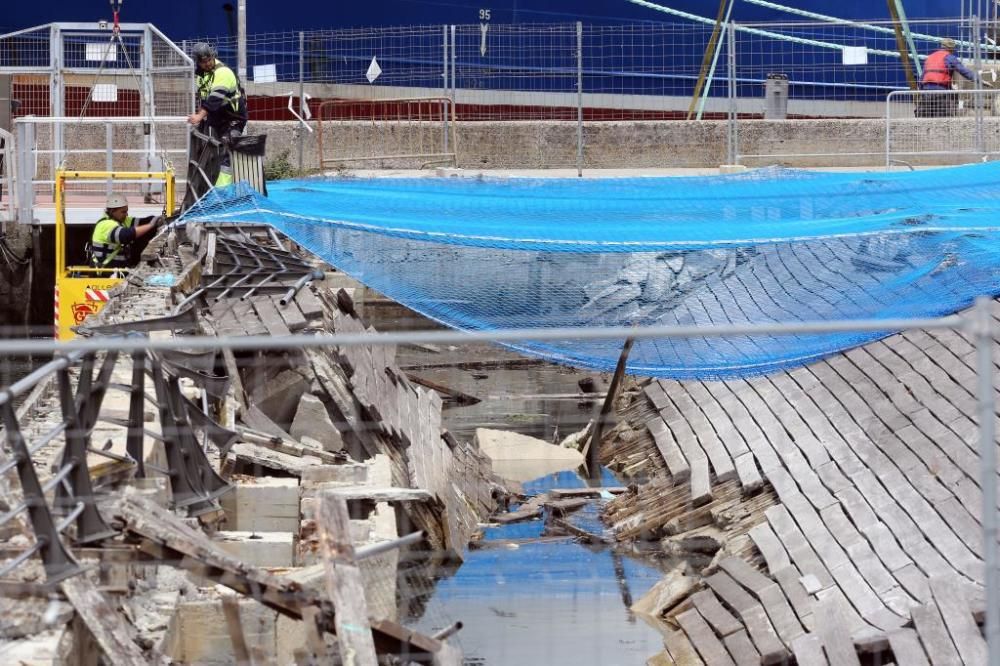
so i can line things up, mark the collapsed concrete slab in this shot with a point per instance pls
(522, 458)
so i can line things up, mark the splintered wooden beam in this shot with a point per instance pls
(343, 581)
(168, 540)
(106, 625)
(594, 453)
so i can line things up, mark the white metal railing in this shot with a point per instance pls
(101, 144)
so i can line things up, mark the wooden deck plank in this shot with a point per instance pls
(290, 314)
(709, 647)
(717, 454)
(749, 475)
(791, 585)
(728, 434)
(833, 631)
(906, 648)
(767, 396)
(808, 649)
(701, 490)
(311, 306)
(958, 618)
(272, 321)
(770, 547)
(934, 636)
(656, 395)
(721, 620)
(915, 582)
(742, 649)
(771, 597)
(743, 423)
(752, 614)
(795, 543)
(680, 648)
(665, 443)
(108, 628)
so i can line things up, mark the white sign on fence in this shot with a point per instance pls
(374, 71)
(105, 52)
(265, 74)
(855, 55)
(105, 92)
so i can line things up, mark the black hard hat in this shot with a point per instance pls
(202, 50)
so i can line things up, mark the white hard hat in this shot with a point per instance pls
(117, 201)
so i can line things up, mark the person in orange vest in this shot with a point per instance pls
(938, 70)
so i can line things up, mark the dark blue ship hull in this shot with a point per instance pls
(181, 19)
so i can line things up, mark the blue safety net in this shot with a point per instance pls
(765, 246)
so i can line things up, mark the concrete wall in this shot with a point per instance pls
(553, 144)
(645, 144)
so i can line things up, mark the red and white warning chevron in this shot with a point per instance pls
(56, 319)
(96, 295)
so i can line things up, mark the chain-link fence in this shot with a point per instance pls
(808, 92)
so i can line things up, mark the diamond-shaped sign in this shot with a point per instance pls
(374, 71)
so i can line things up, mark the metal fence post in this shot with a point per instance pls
(25, 171)
(302, 96)
(977, 56)
(983, 329)
(579, 99)
(241, 39)
(454, 92)
(444, 84)
(732, 155)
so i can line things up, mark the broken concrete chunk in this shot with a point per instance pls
(523, 458)
(672, 590)
(259, 549)
(269, 504)
(279, 398)
(312, 420)
(348, 474)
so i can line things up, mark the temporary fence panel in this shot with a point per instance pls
(937, 127)
(638, 77)
(608, 95)
(417, 131)
(838, 77)
(502, 75)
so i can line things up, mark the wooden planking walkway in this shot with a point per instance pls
(873, 454)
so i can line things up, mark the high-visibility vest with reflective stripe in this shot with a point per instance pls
(222, 82)
(936, 69)
(105, 251)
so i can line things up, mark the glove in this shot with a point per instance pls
(159, 221)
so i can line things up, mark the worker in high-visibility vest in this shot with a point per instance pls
(222, 104)
(113, 233)
(938, 69)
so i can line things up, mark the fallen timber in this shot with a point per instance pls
(831, 513)
(180, 447)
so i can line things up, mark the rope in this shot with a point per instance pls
(11, 258)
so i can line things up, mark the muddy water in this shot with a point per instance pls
(524, 601)
(524, 598)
